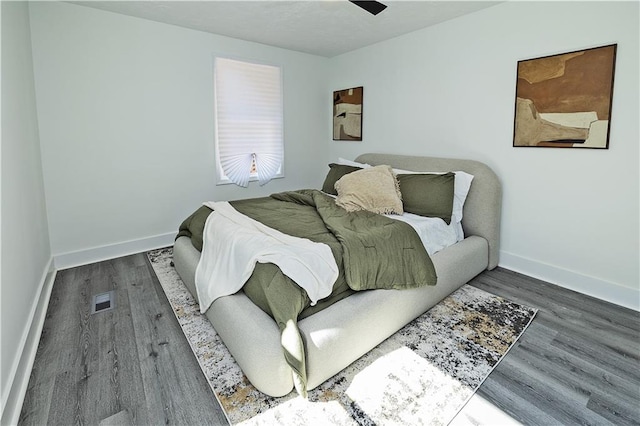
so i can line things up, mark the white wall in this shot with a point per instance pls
(569, 216)
(26, 256)
(125, 138)
(126, 124)
(125, 120)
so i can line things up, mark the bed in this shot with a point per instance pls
(356, 321)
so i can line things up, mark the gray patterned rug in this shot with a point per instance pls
(423, 374)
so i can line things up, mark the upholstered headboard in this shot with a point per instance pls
(482, 209)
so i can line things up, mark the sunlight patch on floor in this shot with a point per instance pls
(402, 372)
(478, 411)
(300, 411)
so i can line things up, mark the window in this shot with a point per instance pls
(248, 121)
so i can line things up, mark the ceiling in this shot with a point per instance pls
(321, 27)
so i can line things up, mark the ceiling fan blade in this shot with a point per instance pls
(373, 7)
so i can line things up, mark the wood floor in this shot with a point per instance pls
(578, 363)
(132, 362)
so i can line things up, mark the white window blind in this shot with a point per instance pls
(249, 120)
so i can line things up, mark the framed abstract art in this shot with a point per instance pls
(347, 114)
(564, 101)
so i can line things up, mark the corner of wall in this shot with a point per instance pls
(591, 286)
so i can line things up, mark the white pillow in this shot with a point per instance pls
(461, 186)
(434, 233)
(345, 162)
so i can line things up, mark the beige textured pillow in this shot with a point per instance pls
(374, 189)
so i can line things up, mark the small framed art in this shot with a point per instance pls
(347, 114)
(564, 101)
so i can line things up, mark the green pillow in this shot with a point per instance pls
(429, 195)
(336, 171)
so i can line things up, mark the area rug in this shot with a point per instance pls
(423, 374)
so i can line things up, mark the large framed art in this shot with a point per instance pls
(347, 114)
(564, 100)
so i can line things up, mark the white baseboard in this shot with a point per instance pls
(21, 369)
(98, 254)
(591, 286)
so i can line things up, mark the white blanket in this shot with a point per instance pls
(233, 243)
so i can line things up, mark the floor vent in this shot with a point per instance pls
(103, 302)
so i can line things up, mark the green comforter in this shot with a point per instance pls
(371, 251)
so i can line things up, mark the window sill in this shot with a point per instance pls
(226, 181)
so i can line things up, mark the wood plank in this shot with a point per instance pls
(127, 376)
(155, 385)
(172, 378)
(611, 407)
(190, 376)
(99, 401)
(73, 370)
(115, 382)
